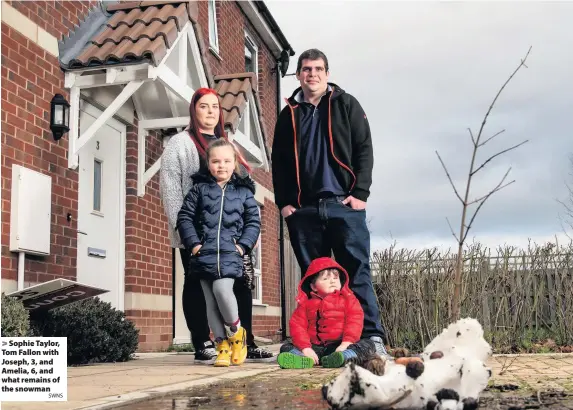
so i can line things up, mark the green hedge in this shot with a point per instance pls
(96, 332)
(15, 319)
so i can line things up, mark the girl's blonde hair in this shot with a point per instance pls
(222, 142)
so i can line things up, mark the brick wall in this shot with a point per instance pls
(56, 17)
(266, 326)
(155, 329)
(231, 25)
(148, 252)
(270, 246)
(30, 78)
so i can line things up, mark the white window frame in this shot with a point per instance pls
(245, 123)
(213, 42)
(100, 193)
(244, 140)
(258, 265)
(250, 43)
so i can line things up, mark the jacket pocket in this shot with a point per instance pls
(205, 252)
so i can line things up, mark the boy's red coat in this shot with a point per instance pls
(337, 317)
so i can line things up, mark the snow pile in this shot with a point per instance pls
(453, 381)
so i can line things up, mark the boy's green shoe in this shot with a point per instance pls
(333, 360)
(293, 361)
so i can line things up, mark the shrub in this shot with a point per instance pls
(15, 318)
(96, 332)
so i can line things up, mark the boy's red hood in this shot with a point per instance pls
(304, 290)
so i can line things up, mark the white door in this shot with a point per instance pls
(182, 334)
(101, 208)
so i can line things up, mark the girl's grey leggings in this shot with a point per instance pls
(221, 305)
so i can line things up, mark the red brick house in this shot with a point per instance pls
(128, 71)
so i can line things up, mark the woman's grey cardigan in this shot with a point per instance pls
(179, 161)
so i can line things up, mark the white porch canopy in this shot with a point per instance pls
(159, 104)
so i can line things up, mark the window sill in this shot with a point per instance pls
(257, 303)
(215, 52)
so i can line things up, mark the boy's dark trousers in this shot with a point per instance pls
(328, 226)
(364, 349)
(195, 311)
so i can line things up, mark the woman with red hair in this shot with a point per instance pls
(206, 123)
(183, 156)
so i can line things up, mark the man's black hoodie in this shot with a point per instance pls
(350, 146)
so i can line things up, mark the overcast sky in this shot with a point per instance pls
(426, 71)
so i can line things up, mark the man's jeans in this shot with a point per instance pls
(326, 226)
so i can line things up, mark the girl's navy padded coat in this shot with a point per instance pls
(218, 218)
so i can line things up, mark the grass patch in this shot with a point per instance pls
(187, 347)
(316, 382)
(309, 385)
(568, 385)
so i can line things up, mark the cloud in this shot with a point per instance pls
(491, 241)
(426, 71)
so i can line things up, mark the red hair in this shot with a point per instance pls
(195, 131)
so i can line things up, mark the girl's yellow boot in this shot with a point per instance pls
(238, 346)
(223, 354)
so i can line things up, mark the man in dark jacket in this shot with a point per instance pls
(322, 163)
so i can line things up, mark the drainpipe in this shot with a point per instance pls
(281, 228)
(21, 264)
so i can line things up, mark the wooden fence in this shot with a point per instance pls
(520, 297)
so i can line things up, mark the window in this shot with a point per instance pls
(97, 185)
(213, 38)
(251, 56)
(258, 280)
(245, 124)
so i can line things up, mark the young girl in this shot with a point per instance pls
(219, 221)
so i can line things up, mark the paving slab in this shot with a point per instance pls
(105, 386)
(108, 385)
(534, 372)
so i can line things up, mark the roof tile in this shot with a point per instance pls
(136, 31)
(234, 91)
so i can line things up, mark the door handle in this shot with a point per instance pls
(82, 232)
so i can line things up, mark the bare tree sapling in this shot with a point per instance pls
(567, 204)
(480, 201)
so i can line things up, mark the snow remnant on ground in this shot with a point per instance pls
(452, 380)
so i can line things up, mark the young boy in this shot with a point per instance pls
(327, 322)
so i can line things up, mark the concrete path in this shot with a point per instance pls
(105, 386)
(537, 372)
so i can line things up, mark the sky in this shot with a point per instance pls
(425, 72)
